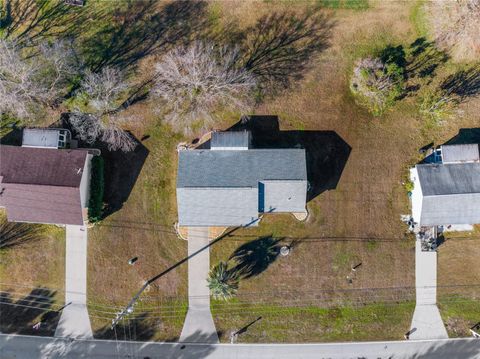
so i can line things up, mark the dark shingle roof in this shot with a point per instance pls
(42, 166)
(41, 185)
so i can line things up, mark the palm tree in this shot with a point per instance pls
(223, 283)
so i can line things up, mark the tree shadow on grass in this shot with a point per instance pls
(31, 21)
(18, 316)
(424, 58)
(254, 257)
(136, 29)
(279, 47)
(15, 234)
(463, 84)
(326, 152)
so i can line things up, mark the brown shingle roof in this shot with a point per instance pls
(41, 166)
(41, 185)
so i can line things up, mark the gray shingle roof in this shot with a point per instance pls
(205, 168)
(445, 179)
(217, 206)
(452, 209)
(221, 187)
(451, 193)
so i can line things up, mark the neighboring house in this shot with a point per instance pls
(231, 183)
(46, 137)
(447, 190)
(44, 185)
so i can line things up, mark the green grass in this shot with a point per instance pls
(417, 18)
(459, 314)
(344, 4)
(313, 324)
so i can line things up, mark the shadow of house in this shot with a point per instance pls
(326, 152)
(465, 136)
(18, 316)
(121, 172)
(121, 169)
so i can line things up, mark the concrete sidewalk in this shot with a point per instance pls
(74, 321)
(198, 326)
(427, 322)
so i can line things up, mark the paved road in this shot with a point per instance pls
(74, 321)
(27, 347)
(427, 322)
(198, 326)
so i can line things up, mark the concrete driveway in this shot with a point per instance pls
(198, 326)
(427, 322)
(74, 321)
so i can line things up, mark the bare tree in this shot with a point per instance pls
(456, 27)
(103, 93)
(92, 127)
(19, 90)
(195, 81)
(373, 85)
(59, 63)
(30, 81)
(104, 89)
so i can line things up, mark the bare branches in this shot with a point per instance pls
(103, 93)
(195, 81)
(456, 25)
(29, 82)
(92, 127)
(104, 89)
(19, 90)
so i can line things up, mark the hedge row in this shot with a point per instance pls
(97, 183)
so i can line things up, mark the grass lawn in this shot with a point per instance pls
(32, 280)
(354, 213)
(459, 281)
(313, 324)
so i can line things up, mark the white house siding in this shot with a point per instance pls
(85, 182)
(417, 196)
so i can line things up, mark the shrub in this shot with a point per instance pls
(223, 283)
(95, 204)
(376, 84)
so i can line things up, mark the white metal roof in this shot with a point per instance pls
(39, 137)
(460, 153)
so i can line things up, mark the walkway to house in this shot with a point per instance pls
(198, 326)
(74, 321)
(427, 322)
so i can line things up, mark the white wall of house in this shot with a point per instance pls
(417, 195)
(85, 181)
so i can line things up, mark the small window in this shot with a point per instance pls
(61, 144)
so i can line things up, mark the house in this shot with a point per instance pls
(230, 183)
(447, 187)
(44, 185)
(46, 137)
